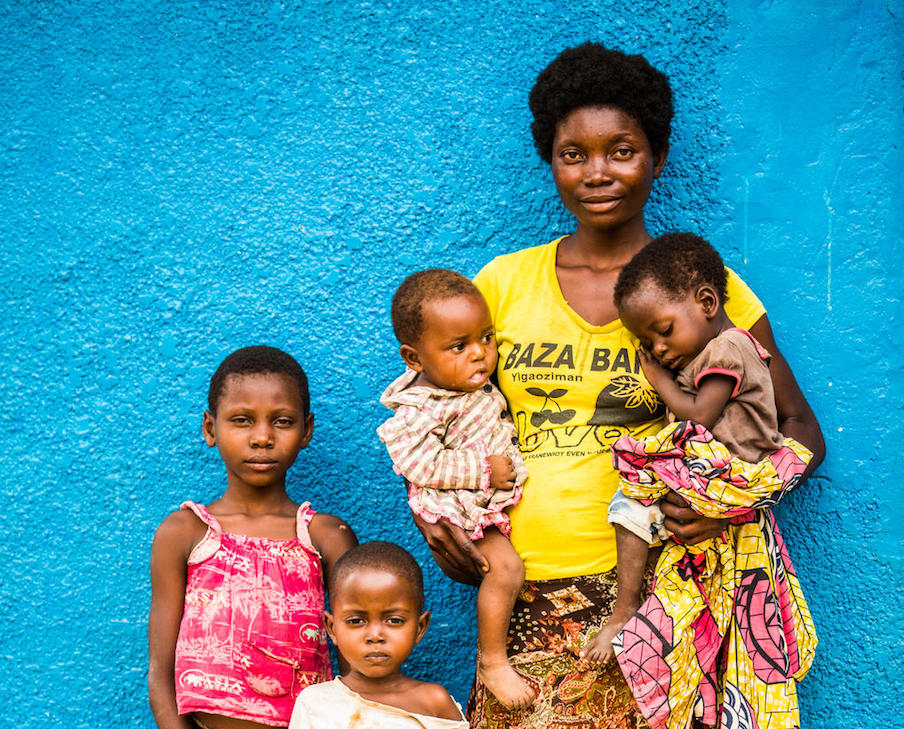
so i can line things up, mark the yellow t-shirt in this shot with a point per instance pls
(573, 389)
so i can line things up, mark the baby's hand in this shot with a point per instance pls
(653, 371)
(502, 473)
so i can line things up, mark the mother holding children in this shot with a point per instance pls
(592, 431)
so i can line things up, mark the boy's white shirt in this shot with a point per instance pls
(333, 705)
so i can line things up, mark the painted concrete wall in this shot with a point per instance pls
(180, 179)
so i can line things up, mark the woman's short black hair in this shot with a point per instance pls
(677, 263)
(592, 75)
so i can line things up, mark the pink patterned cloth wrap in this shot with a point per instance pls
(252, 633)
(685, 457)
(726, 634)
(439, 441)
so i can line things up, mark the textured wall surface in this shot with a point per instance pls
(181, 179)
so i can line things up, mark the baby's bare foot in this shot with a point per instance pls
(505, 684)
(599, 649)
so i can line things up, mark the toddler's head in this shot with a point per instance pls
(258, 415)
(445, 330)
(670, 296)
(376, 614)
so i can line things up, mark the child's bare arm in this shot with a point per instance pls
(172, 545)
(332, 537)
(705, 407)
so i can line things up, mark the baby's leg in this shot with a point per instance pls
(495, 600)
(632, 562)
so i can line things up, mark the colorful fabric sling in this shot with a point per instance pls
(726, 633)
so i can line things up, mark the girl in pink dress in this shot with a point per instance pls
(236, 623)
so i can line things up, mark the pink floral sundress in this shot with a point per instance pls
(252, 633)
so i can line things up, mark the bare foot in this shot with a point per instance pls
(505, 684)
(599, 649)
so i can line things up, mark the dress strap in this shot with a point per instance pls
(203, 514)
(760, 349)
(302, 520)
(208, 546)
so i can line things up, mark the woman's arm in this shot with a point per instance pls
(173, 542)
(795, 419)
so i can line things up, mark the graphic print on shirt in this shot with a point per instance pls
(547, 427)
(625, 399)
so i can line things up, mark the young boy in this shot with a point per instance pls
(377, 617)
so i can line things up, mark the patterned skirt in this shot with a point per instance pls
(552, 621)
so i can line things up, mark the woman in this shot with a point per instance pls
(569, 371)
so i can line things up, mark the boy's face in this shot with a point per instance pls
(259, 427)
(457, 349)
(375, 621)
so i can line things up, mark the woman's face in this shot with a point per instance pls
(603, 167)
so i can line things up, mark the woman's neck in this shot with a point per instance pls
(607, 248)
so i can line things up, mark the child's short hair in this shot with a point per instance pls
(677, 263)
(384, 556)
(257, 360)
(430, 285)
(592, 75)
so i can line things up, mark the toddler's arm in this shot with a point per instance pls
(415, 444)
(712, 396)
(502, 472)
(705, 407)
(172, 545)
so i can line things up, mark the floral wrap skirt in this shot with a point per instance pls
(551, 623)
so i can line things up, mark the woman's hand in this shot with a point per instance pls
(453, 551)
(686, 524)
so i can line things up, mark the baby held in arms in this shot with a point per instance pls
(723, 453)
(452, 439)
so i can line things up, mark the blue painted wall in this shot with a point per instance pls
(181, 179)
